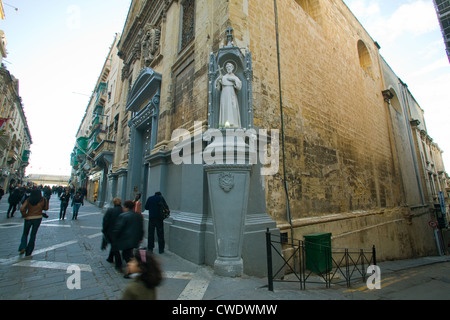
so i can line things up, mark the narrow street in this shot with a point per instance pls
(429, 282)
(61, 245)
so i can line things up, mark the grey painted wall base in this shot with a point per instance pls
(185, 235)
(189, 232)
(192, 238)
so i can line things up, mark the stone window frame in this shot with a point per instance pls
(183, 41)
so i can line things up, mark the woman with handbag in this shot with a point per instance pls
(32, 213)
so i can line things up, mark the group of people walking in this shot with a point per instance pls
(19, 194)
(123, 229)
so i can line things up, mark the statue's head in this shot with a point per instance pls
(230, 67)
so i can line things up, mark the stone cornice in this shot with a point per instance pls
(151, 12)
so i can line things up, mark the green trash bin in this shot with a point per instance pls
(318, 252)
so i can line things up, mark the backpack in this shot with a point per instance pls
(163, 209)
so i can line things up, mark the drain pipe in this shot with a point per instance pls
(286, 186)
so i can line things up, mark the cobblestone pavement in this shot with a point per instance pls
(62, 244)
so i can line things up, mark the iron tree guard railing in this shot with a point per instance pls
(330, 265)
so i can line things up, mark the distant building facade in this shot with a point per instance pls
(15, 137)
(358, 160)
(47, 180)
(97, 135)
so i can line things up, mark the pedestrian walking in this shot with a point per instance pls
(2, 193)
(77, 202)
(65, 198)
(156, 205)
(109, 221)
(32, 213)
(13, 200)
(128, 231)
(147, 276)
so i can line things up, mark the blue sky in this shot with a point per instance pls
(57, 49)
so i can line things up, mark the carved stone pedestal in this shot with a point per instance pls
(228, 192)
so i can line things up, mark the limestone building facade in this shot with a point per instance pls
(97, 136)
(356, 159)
(15, 136)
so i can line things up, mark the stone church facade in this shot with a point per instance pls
(352, 136)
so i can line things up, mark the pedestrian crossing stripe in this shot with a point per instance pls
(10, 225)
(52, 265)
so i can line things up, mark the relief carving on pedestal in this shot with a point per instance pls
(226, 181)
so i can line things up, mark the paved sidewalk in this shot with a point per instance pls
(62, 244)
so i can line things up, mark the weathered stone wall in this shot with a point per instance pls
(341, 167)
(185, 72)
(337, 145)
(339, 156)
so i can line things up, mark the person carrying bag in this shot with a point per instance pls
(158, 211)
(32, 212)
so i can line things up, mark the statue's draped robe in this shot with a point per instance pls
(229, 105)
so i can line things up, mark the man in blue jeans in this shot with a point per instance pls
(156, 221)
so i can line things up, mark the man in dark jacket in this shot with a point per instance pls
(14, 199)
(109, 221)
(128, 231)
(155, 221)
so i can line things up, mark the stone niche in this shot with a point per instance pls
(192, 230)
(242, 63)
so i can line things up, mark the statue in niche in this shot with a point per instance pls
(228, 84)
(230, 87)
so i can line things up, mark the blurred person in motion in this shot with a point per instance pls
(128, 231)
(147, 275)
(109, 221)
(32, 213)
(65, 199)
(77, 202)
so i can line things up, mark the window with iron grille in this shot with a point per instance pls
(187, 23)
